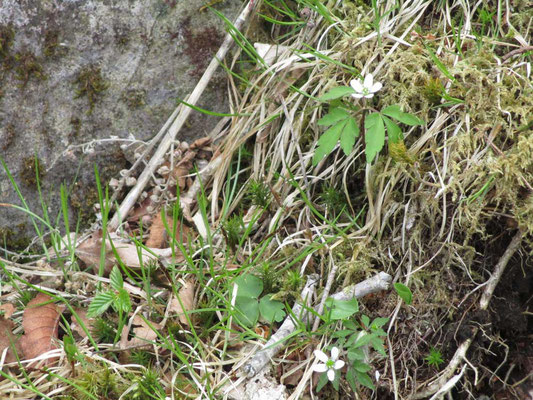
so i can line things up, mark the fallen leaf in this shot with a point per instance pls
(8, 340)
(88, 322)
(89, 252)
(142, 334)
(186, 295)
(8, 309)
(41, 324)
(159, 236)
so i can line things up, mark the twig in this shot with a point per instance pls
(516, 51)
(377, 283)
(157, 158)
(460, 353)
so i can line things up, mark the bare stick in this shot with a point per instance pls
(377, 283)
(159, 155)
(460, 353)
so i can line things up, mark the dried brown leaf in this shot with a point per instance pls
(142, 334)
(8, 309)
(186, 295)
(41, 324)
(8, 340)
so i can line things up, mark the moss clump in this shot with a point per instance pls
(7, 34)
(7, 138)
(51, 46)
(134, 98)
(32, 171)
(26, 66)
(91, 84)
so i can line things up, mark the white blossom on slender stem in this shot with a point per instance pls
(330, 364)
(365, 89)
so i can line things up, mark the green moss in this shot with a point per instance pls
(8, 137)
(32, 171)
(27, 66)
(134, 98)
(7, 34)
(14, 241)
(91, 84)
(51, 45)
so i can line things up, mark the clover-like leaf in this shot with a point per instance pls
(271, 310)
(247, 310)
(250, 286)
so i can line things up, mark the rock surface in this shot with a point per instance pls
(80, 78)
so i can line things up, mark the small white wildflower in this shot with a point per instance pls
(330, 364)
(365, 89)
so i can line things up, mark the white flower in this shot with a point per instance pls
(365, 89)
(330, 364)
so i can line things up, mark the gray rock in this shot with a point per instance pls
(74, 72)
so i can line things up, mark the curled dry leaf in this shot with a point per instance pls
(186, 295)
(88, 322)
(143, 334)
(159, 236)
(7, 310)
(41, 323)
(7, 339)
(89, 252)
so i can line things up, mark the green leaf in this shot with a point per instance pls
(250, 286)
(405, 118)
(328, 141)
(350, 377)
(342, 309)
(356, 354)
(404, 292)
(348, 135)
(334, 115)
(365, 320)
(364, 380)
(322, 380)
(247, 310)
(379, 322)
(394, 131)
(271, 310)
(123, 301)
(363, 339)
(100, 303)
(336, 92)
(374, 136)
(377, 344)
(70, 347)
(361, 366)
(116, 278)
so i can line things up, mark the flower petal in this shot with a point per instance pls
(320, 368)
(331, 374)
(369, 81)
(321, 356)
(356, 85)
(338, 364)
(376, 87)
(334, 353)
